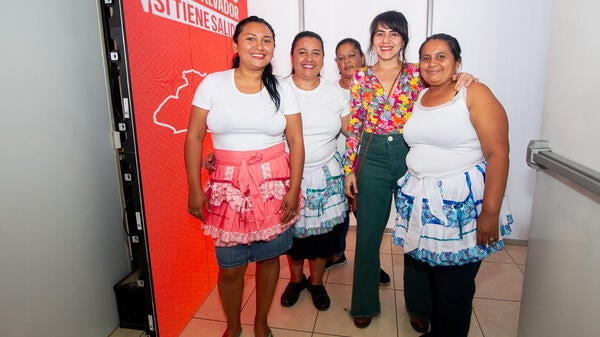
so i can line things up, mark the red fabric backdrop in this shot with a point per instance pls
(172, 45)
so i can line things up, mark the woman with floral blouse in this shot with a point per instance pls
(382, 101)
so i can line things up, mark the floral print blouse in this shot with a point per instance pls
(372, 112)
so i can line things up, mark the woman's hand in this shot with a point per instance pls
(289, 207)
(209, 162)
(351, 190)
(197, 203)
(487, 229)
(463, 80)
(350, 186)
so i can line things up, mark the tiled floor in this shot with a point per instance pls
(496, 305)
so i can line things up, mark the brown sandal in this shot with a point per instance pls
(419, 324)
(362, 322)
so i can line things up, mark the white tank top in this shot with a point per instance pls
(442, 139)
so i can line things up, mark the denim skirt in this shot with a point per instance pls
(239, 255)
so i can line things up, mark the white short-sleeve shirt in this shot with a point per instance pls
(321, 110)
(239, 121)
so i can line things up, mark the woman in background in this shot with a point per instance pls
(324, 110)
(252, 197)
(451, 201)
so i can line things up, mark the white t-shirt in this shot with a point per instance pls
(321, 110)
(341, 138)
(239, 121)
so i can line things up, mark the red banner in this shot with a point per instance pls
(172, 45)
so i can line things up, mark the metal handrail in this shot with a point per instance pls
(539, 156)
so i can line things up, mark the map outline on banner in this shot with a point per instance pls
(175, 96)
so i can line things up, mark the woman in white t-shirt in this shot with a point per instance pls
(252, 197)
(324, 108)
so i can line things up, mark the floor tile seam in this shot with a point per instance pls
(337, 283)
(210, 320)
(250, 325)
(496, 299)
(314, 327)
(500, 262)
(513, 257)
(395, 303)
(297, 330)
(328, 334)
(478, 322)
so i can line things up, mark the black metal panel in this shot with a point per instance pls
(129, 295)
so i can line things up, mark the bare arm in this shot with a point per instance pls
(344, 128)
(490, 121)
(295, 140)
(193, 160)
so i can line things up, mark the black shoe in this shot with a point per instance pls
(331, 264)
(384, 278)
(419, 324)
(362, 322)
(292, 292)
(319, 296)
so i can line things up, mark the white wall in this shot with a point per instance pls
(337, 19)
(61, 242)
(284, 16)
(560, 295)
(334, 20)
(507, 49)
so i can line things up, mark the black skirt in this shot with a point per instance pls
(324, 245)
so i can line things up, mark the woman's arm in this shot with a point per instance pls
(490, 121)
(293, 135)
(344, 121)
(354, 126)
(197, 201)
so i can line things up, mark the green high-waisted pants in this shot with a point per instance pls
(384, 164)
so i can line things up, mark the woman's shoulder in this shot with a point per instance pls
(220, 76)
(477, 90)
(285, 82)
(334, 90)
(330, 85)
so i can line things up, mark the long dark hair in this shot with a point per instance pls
(268, 79)
(395, 21)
